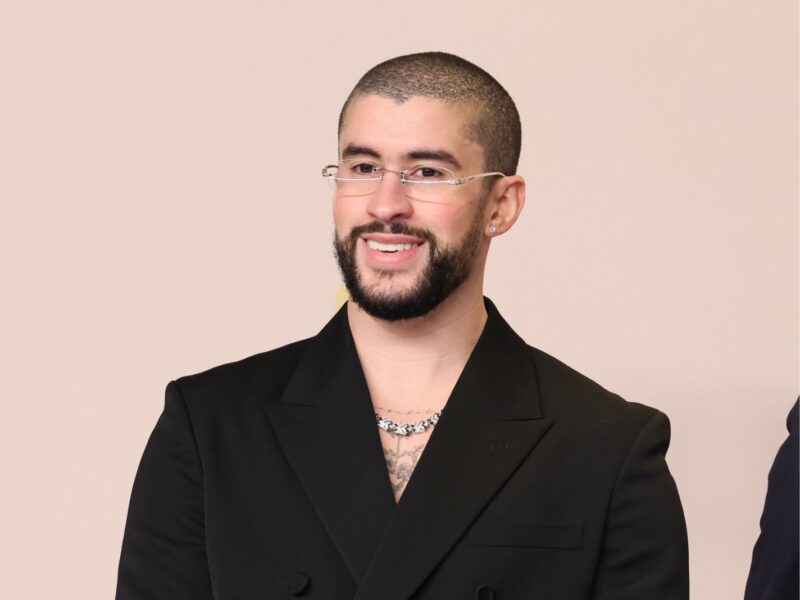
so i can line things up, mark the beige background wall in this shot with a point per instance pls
(161, 212)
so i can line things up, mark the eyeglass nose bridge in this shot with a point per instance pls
(402, 174)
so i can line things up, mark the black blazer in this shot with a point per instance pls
(265, 479)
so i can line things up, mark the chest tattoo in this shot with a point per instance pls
(400, 462)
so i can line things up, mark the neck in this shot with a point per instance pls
(433, 348)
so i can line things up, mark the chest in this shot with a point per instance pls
(402, 451)
(401, 454)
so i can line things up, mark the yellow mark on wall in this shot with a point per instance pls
(341, 296)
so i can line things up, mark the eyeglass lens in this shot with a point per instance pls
(360, 178)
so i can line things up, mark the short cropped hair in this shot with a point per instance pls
(493, 118)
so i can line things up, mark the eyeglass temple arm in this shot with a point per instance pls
(461, 180)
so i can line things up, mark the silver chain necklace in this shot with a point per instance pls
(404, 429)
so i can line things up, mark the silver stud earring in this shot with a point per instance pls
(492, 229)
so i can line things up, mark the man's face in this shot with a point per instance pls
(401, 257)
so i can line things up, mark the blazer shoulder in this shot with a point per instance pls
(569, 395)
(265, 374)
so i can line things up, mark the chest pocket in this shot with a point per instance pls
(525, 534)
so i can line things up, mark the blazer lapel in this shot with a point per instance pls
(325, 425)
(490, 424)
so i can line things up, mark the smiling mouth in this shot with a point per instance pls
(390, 248)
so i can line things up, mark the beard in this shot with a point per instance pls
(446, 270)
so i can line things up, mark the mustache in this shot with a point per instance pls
(396, 228)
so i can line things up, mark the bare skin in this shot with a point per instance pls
(412, 377)
(402, 453)
(402, 460)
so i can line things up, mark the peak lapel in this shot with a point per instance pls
(325, 425)
(491, 423)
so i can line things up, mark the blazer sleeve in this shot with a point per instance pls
(645, 550)
(163, 549)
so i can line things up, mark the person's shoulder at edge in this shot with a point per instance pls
(774, 568)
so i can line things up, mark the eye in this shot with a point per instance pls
(361, 168)
(427, 173)
(365, 168)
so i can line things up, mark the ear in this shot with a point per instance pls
(505, 204)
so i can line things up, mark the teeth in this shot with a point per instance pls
(388, 247)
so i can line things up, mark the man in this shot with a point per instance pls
(416, 447)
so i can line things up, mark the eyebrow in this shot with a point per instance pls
(352, 150)
(440, 155)
(355, 150)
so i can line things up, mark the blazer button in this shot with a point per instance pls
(298, 583)
(484, 592)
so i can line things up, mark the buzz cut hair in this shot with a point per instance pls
(492, 117)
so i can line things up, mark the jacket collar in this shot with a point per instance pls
(325, 424)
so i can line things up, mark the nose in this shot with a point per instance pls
(389, 201)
